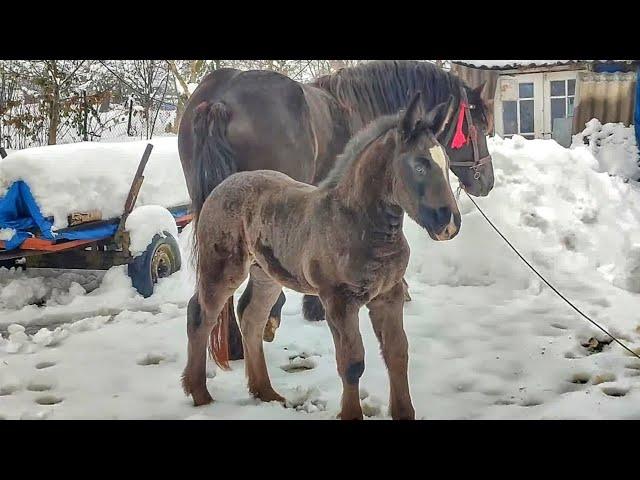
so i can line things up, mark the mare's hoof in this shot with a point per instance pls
(270, 329)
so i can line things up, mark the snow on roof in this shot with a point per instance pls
(82, 177)
(509, 64)
(505, 64)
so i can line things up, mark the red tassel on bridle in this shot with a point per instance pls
(459, 139)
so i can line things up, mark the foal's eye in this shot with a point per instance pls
(421, 166)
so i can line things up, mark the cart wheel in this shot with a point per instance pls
(160, 259)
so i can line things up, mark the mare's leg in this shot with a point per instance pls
(312, 308)
(253, 318)
(274, 318)
(342, 317)
(386, 315)
(407, 297)
(235, 337)
(272, 324)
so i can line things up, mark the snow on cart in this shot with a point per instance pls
(93, 206)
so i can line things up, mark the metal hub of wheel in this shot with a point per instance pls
(161, 263)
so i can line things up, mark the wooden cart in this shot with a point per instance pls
(160, 259)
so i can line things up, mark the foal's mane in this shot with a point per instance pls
(356, 146)
(383, 87)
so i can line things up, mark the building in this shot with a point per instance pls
(555, 98)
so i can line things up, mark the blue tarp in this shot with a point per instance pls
(19, 211)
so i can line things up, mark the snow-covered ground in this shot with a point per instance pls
(487, 338)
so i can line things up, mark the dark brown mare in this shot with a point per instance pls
(341, 241)
(263, 120)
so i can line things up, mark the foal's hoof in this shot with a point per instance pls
(200, 399)
(402, 413)
(270, 329)
(269, 396)
(350, 416)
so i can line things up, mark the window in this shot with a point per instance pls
(563, 94)
(510, 117)
(518, 115)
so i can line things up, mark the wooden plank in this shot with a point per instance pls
(81, 259)
(79, 218)
(133, 195)
(50, 246)
(83, 226)
(18, 253)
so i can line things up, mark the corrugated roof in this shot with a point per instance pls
(511, 64)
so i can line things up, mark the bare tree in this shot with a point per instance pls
(187, 74)
(53, 82)
(147, 80)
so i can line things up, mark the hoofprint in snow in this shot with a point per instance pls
(486, 338)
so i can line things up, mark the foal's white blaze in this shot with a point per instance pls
(438, 155)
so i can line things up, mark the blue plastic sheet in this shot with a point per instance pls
(19, 211)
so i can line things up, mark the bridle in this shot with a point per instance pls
(473, 136)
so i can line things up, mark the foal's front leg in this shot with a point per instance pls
(342, 318)
(386, 315)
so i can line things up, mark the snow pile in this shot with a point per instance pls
(69, 296)
(144, 223)
(613, 145)
(88, 176)
(555, 205)
(7, 233)
(17, 289)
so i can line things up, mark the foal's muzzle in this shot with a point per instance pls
(440, 222)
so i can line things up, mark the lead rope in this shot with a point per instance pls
(544, 279)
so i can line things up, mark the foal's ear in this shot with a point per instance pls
(482, 91)
(438, 118)
(412, 116)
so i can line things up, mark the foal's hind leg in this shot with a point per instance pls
(199, 327)
(202, 315)
(253, 318)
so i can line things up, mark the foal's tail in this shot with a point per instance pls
(213, 161)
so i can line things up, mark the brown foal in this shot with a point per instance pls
(341, 241)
